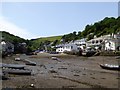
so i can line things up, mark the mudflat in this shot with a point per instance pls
(67, 71)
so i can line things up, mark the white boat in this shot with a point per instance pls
(110, 67)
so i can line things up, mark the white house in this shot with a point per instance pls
(110, 45)
(71, 47)
(80, 43)
(67, 47)
(106, 42)
(60, 48)
(96, 42)
(113, 43)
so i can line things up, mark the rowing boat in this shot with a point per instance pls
(110, 67)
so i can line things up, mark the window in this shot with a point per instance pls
(100, 41)
(93, 42)
(71, 47)
(96, 41)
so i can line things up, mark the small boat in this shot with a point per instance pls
(14, 66)
(17, 71)
(118, 57)
(31, 63)
(110, 67)
(17, 59)
(88, 53)
(54, 58)
(27, 62)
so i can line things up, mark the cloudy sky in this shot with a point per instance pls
(40, 19)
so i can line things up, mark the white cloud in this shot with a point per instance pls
(10, 27)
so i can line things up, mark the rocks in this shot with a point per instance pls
(76, 75)
(62, 68)
(52, 71)
(3, 76)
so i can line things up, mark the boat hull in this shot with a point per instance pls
(17, 71)
(109, 68)
(13, 66)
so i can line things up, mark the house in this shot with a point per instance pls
(106, 42)
(96, 42)
(71, 47)
(109, 45)
(113, 43)
(6, 47)
(80, 43)
(67, 47)
(60, 48)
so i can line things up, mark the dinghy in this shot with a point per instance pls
(17, 71)
(110, 67)
(14, 66)
(27, 62)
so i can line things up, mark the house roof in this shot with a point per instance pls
(69, 44)
(101, 38)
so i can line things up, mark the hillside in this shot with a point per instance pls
(103, 27)
(11, 38)
(32, 44)
(40, 42)
(52, 38)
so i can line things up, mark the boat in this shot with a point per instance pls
(54, 58)
(110, 67)
(13, 66)
(17, 71)
(17, 59)
(31, 63)
(88, 53)
(118, 57)
(28, 62)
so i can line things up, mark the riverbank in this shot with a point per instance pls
(68, 72)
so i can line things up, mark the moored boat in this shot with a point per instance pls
(28, 62)
(14, 66)
(17, 71)
(110, 67)
(88, 53)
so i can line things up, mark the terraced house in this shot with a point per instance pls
(106, 42)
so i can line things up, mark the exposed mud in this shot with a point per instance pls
(68, 72)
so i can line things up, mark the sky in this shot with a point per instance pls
(42, 19)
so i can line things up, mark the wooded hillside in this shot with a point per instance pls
(103, 27)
